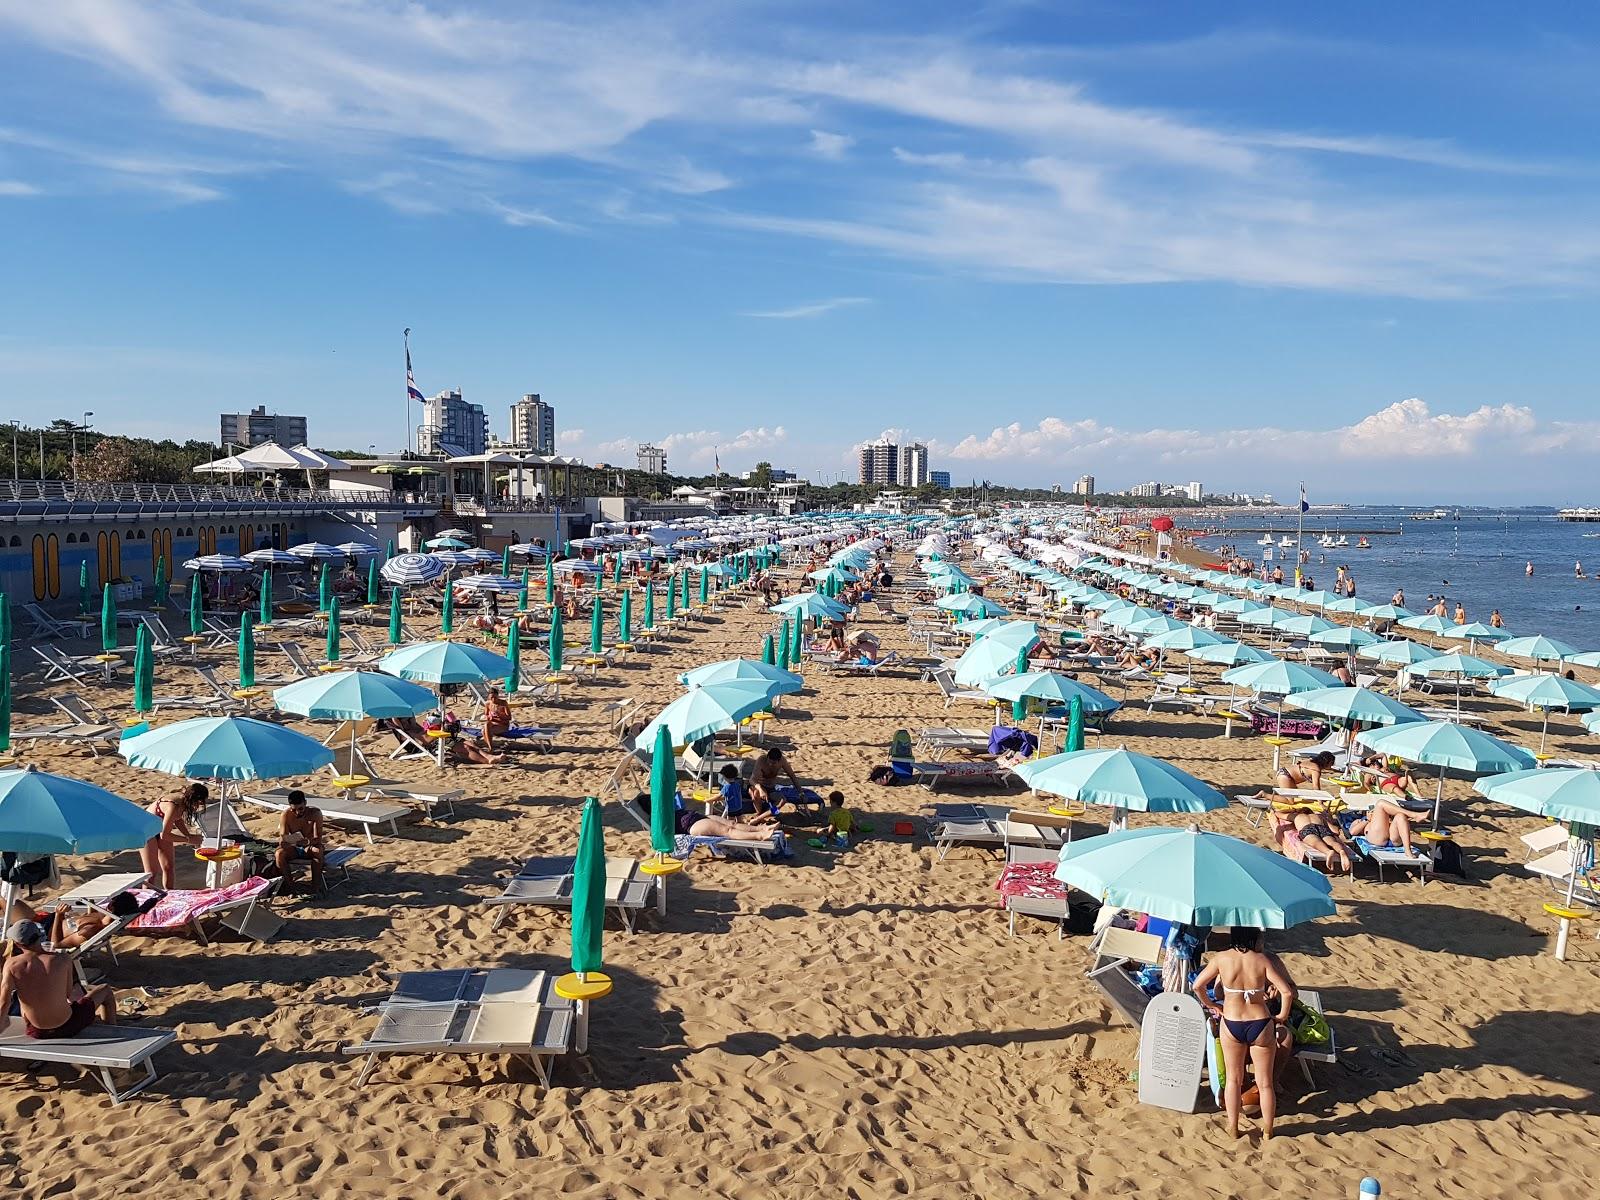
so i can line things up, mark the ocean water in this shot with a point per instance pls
(1478, 559)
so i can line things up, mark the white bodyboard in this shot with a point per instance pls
(1172, 1049)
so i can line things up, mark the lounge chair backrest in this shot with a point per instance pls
(297, 658)
(80, 709)
(208, 676)
(1119, 943)
(946, 683)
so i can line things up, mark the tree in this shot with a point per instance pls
(761, 475)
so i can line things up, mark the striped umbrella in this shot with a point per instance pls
(318, 552)
(269, 557)
(408, 570)
(483, 557)
(358, 550)
(504, 585)
(222, 564)
(453, 558)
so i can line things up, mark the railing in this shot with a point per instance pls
(59, 491)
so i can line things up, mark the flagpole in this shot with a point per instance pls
(1299, 530)
(407, 336)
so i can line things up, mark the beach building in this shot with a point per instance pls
(652, 459)
(258, 425)
(939, 479)
(533, 424)
(1148, 489)
(1084, 486)
(452, 427)
(912, 465)
(1194, 491)
(879, 462)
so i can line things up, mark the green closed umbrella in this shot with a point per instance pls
(373, 592)
(396, 624)
(589, 893)
(625, 619)
(549, 579)
(108, 620)
(556, 637)
(663, 795)
(705, 586)
(324, 588)
(783, 646)
(505, 561)
(616, 569)
(797, 651)
(514, 653)
(768, 654)
(650, 605)
(447, 619)
(144, 672)
(83, 587)
(1019, 706)
(597, 627)
(333, 630)
(266, 596)
(1075, 725)
(388, 550)
(161, 583)
(247, 651)
(672, 597)
(522, 594)
(197, 601)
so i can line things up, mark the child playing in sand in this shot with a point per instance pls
(841, 820)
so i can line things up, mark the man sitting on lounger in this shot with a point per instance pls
(769, 767)
(42, 982)
(300, 838)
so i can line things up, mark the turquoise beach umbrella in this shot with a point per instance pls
(226, 748)
(1344, 637)
(42, 813)
(1546, 692)
(397, 631)
(1229, 654)
(1537, 647)
(108, 620)
(663, 794)
(1397, 653)
(5, 681)
(247, 651)
(557, 641)
(1428, 623)
(1185, 638)
(352, 696)
(1196, 877)
(1559, 794)
(779, 681)
(1019, 702)
(143, 672)
(1278, 678)
(1355, 706)
(709, 710)
(1450, 747)
(333, 630)
(1385, 612)
(445, 662)
(388, 550)
(1475, 632)
(1120, 779)
(1051, 687)
(589, 893)
(514, 656)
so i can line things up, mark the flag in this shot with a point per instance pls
(716, 458)
(411, 380)
(1304, 507)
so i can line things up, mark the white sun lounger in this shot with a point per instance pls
(99, 1048)
(347, 809)
(49, 626)
(549, 881)
(1014, 827)
(1542, 841)
(474, 1011)
(1557, 867)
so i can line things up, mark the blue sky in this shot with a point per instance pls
(1247, 244)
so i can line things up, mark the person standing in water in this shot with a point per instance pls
(1528, 570)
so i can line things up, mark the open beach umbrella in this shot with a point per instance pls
(781, 682)
(1186, 638)
(408, 570)
(1196, 877)
(108, 619)
(812, 605)
(1305, 625)
(1537, 647)
(1476, 631)
(1158, 624)
(144, 672)
(1344, 637)
(445, 662)
(709, 709)
(397, 631)
(1239, 605)
(1051, 687)
(1120, 779)
(971, 606)
(983, 661)
(557, 641)
(597, 618)
(1266, 618)
(226, 748)
(319, 552)
(1428, 623)
(1546, 692)
(1385, 612)
(1462, 666)
(220, 564)
(444, 543)
(1559, 794)
(1355, 706)
(83, 587)
(1448, 746)
(1397, 652)
(373, 590)
(333, 630)
(42, 813)
(1230, 654)
(1347, 604)
(1278, 678)
(358, 550)
(353, 695)
(247, 651)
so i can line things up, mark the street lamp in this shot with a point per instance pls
(85, 428)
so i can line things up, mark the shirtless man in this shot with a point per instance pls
(42, 982)
(769, 767)
(300, 838)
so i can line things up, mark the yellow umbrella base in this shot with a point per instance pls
(660, 866)
(591, 986)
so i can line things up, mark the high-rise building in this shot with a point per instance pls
(1145, 489)
(880, 462)
(913, 465)
(940, 479)
(652, 459)
(452, 427)
(1084, 486)
(1194, 491)
(533, 424)
(258, 425)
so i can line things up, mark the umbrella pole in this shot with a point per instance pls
(1438, 800)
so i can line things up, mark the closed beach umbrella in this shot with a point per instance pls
(1196, 877)
(1120, 779)
(333, 630)
(396, 621)
(625, 619)
(388, 550)
(447, 615)
(783, 647)
(514, 656)
(797, 649)
(108, 619)
(663, 794)
(650, 605)
(768, 654)
(505, 561)
(247, 651)
(266, 596)
(1074, 724)
(705, 586)
(445, 662)
(557, 639)
(5, 692)
(522, 592)
(197, 612)
(373, 591)
(672, 597)
(143, 672)
(1019, 702)
(1448, 746)
(549, 580)
(596, 628)
(589, 893)
(42, 813)
(324, 588)
(161, 583)
(83, 587)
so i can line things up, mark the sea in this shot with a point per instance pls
(1477, 556)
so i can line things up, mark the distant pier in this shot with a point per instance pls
(1315, 531)
(1579, 514)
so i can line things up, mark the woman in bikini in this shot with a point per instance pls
(1322, 833)
(159, 855)
(1249, 1026)
(1305, 774)
(1386, 824)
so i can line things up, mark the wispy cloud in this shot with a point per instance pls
(832, 146)
(801, 312)
(15, 187)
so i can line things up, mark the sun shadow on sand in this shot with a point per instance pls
(757, 1044)
(1435, 928)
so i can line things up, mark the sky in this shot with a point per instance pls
(1250, 244)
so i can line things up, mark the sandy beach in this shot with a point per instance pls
(857, 1022)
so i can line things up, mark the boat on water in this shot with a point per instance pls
(1363, 544)
(1285, 542)
(1265, 540)
(1341, 540)
(1437, 514)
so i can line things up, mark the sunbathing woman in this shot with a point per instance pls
(1318, 832)
(1387, 824)
(1304, 774)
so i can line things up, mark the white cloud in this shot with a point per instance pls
(702, 446)
(832, 146)
(15, 187)
(800, 312)
(522, 218)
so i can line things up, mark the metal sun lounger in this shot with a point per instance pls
(99, 1048)
(345, 809)
(548, 881)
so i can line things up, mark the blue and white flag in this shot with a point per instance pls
(411, 380)
(1304, 507)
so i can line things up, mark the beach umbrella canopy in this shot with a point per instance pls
(445, 662)
(226, 748)
(358, 550)
(709, 709)
(5, 675)
(1477, 631)
(1196, 877)
(1547, 692)
(42, 813)
(1385, 612)
(503, 585)
(161, 583)
(1122, 618)
(144, 672)
(982, 661)
(505, 561)
(972, 606)
(1316, 599)
(549, 579)
(247, 651)
(1355, 706)
(373, 589)
(221, 564)
(1050, 686)
(1538, 647)
(625, 619)
(514, 657)
(1448, 746)
(1278, 678)
(1344, 637)
(1120, 779)
(1305, 625)
(482, 557)
(982, 625)
(1560, 794)
(529, 550)
(318, 552)
(1267, 618)
(1074, 724)
(332, 650)
(1230, 654)
(1347, 604)
(408, 570)
(1017, 635)
(1186, 638)
(352, 695)
(650, 605)
(1160, 623)
(596, 628)
(736, 669)
(810, 605)
(663, 793)
(1240, 605)
(445, 543)
(1463, 665)
(1398, 653)
(269, 557)
(783, 643)
(1428, 623)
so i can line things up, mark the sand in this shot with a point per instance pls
(857, 1023)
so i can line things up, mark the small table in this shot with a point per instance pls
(1567, 916)
(442, 737)
(1277, 744)
(102, 889)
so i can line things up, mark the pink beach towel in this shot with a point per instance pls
(177, 908)
(1034, 881)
